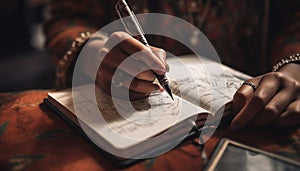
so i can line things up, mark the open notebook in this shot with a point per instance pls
(149, 126)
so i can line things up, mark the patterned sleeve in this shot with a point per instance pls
(69, 18)
(285, 29)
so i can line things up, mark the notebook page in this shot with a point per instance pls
(123, 125)
(204, 82)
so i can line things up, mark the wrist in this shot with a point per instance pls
(291, 70)
(291, 59)
(66, 64)
(90, 57)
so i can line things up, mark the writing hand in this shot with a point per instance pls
(137, 71)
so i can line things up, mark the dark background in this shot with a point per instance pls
(24, 63)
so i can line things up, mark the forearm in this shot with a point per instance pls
(69, 21)
(60, 43)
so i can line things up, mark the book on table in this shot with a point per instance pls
(203, 90)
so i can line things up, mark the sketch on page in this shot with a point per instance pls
(133, 121)
(204, 82)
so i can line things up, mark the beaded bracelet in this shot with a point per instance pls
(291, 59)
(65, 62)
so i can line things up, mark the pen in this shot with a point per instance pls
(132, 26)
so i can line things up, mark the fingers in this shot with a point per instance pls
(120, 46)
(130, 65)
(130, 46)
(241, 97)
(291, 116)
(263, 94)
(122, 52)
(137, 85)
(275, 102)
(137, 89)
(130, 82)
(143, 86)
(274, 108)
(137, 69)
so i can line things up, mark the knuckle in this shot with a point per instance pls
(103, 52)
(118, 35)
(162, 52)
(146, 50)
(277, 75)
(272, 109)
(141, 52)
(239, 96)
(294, 85)
(259, 98)
(146, 75)
(115, 35)
(141, 75)
(295, 108)
(297, 87)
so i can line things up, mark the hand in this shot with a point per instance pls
(137, 70)
(276, 101)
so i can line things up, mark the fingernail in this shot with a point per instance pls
(159, 89)
(162, 53)
(167, 67)
(156, 91)
(161, 71)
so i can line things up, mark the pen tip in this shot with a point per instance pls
(169, 91)
(172, 96)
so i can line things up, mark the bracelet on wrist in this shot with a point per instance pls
(65, 62)
(291, 59)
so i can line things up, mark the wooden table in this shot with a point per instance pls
(33, 137)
